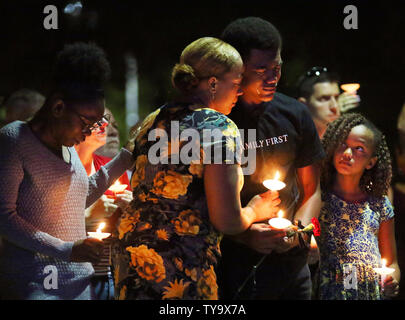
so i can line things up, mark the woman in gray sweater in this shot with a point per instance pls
(44, 188)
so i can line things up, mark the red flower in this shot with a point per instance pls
(317, 227)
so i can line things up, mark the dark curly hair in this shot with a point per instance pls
(375, 181)
(249, 33)
(80, 72)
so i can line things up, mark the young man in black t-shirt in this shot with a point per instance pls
(286, 141)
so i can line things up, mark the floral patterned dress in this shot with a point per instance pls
(348, 247)
(166, 247)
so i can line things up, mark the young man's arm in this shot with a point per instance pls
(310, 205)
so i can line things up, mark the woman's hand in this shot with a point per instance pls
(87, 250)
(265, 205)
(102, 208)
(391, 287)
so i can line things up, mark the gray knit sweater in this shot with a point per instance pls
(42, 203)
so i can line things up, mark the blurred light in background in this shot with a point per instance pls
(73, 9)
(131, 91)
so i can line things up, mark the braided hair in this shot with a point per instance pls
(374, 181)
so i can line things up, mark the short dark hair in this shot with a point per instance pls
(305, 85)
(80, 72)
(249, 33)
(23, 104)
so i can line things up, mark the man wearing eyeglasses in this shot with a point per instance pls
(319, 90)
(260, 263)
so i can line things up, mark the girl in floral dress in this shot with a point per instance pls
(168, 238)
(357, 219)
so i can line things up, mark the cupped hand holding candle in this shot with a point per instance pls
(99, 234)
(279, 222)
(349, 98)
(274, 184)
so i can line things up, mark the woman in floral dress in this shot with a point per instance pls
(357, 219)
(186, 186)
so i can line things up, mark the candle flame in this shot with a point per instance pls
(384, 262)
(313, 243)
(277, 175)
(280, 214)
(101, 227)
(117, 187)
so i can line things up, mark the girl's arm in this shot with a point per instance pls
(387, 246)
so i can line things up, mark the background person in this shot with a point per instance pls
(398, 188)
(107, 205)
(112, 145)
(319, 90)
(22, 105)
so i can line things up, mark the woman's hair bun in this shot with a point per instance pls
(184, 77)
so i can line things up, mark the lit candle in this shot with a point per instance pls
(384, 272)
(313, 244)
(274, 184)
(279, 222)
(117, 187)
(350, 87)
(98, 234)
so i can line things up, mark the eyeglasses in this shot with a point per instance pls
(315, 71)
(87, 123)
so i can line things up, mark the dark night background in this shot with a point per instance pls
(156, 33)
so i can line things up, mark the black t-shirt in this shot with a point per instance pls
(286, 139)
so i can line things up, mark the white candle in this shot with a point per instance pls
(279, 222)
(98, 234)
(350, 87)
(384, 272)
(274, 184)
